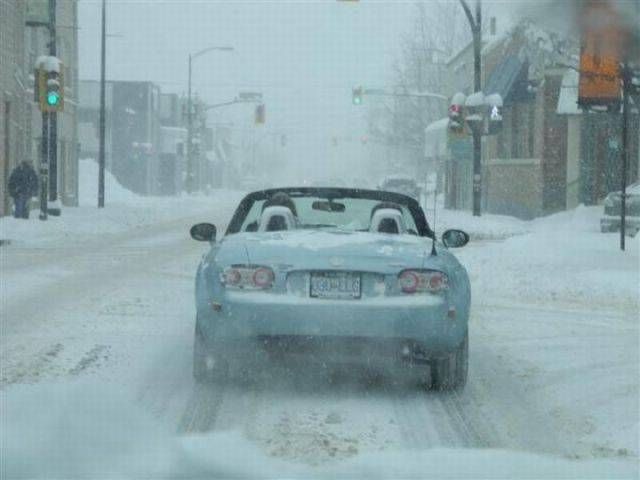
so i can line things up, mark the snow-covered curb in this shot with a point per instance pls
(124, 211)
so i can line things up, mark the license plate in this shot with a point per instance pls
(340, 285)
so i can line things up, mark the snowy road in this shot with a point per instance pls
(118, 311)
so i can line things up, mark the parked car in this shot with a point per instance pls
(356, 273)
(610, 222)
(401, 184)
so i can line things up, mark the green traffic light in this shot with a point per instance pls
(53, 98)
(356, 96)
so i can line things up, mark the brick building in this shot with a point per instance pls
(13, 139)
(20, 119)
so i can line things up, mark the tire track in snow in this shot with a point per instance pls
(41, 364)
(201, 411)
(418, 422)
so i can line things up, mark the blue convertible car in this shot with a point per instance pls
(349, 276)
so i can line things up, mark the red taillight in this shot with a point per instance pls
(263, 277)
(435, 282)
(232, 276)
(409, 281)
(249, 278)
(432, 281)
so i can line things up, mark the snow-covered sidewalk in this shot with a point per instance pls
(124, 211)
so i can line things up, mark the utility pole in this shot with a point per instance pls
(101, 153)
(626, 87)
(190, 166)
(53, 116)
(476, 31)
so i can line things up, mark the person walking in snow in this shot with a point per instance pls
(23, 184)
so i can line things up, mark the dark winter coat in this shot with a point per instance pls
(23, 181)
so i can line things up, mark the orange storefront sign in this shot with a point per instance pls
(600, 55)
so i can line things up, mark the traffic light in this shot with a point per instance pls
(283, 141)
(260, 114)
(356, 96)
(494, 106)
(495, 120)
(456, 114)
(50, 90)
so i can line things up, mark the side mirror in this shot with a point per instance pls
(455, 238)
(203, 232)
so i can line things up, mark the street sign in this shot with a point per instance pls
(603, 38)
(250, 96)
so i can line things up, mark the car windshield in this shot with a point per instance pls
(345, 213)
(318, 239)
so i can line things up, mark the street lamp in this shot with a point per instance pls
(190, 166)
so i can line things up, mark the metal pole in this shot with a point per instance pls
(477, 135)
(626, 84)
(101, 152)
(44, 166)
(190, 179)
(53, 116)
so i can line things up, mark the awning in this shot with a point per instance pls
(509, 79)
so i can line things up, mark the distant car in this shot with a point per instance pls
(610, 222)
(341, 271)
(401, 184)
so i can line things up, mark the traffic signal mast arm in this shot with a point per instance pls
(359, 92)
(380, 92)
(243, 97)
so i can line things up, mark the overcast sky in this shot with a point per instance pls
(305, 56)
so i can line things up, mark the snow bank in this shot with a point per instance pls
(486, 227)
(562, 258)
(114, 192)
(124, 211)
(96, 431)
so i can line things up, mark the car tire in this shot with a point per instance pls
(201, 373)
(450, 373)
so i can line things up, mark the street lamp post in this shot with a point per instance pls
(101, 152)
(476, 31)
(191, 187)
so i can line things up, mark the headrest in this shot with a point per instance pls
(276, 218)
(387, 220)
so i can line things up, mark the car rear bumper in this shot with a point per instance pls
(424, 322)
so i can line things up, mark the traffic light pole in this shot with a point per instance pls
(476, 31)
(626, 86)
(53, 116)
(44, 166)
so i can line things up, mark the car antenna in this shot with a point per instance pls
(435, 201)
